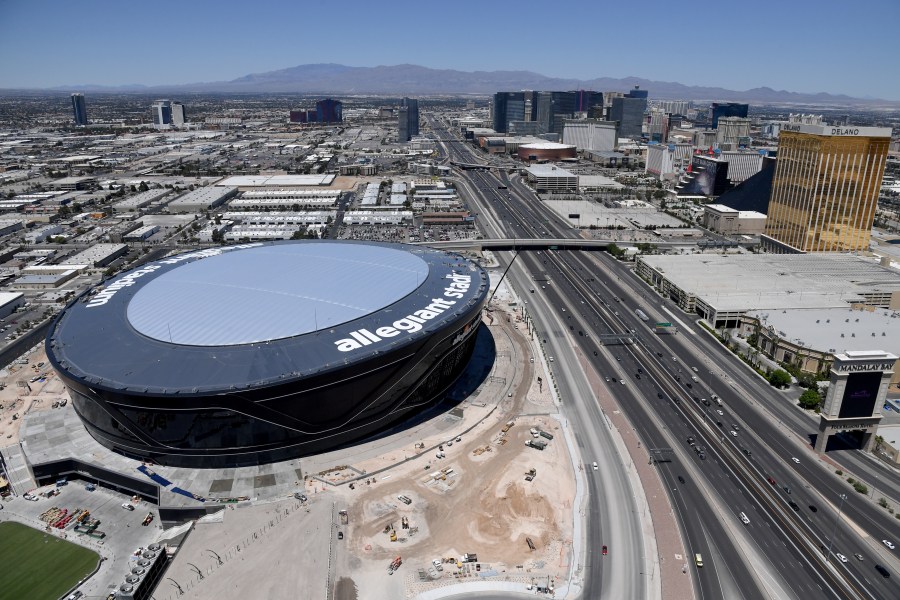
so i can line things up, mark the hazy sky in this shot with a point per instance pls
(798, 45)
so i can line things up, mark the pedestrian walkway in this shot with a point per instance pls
(674, 579)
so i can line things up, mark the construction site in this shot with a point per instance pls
(481, 493)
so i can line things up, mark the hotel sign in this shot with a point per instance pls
(837, 131)
(859, 367)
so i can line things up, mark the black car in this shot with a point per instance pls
(659, 395)
(680, 479)
(793, 505)
(884, 572)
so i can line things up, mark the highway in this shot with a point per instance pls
(613, 514)
(789, 539)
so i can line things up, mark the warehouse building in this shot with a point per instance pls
(202, 199)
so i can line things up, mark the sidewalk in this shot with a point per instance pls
(671, 554)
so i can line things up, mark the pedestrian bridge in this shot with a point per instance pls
(522, 244)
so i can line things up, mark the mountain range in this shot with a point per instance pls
(418, 80)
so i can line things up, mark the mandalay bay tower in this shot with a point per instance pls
(825, 188)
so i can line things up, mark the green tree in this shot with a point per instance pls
(143, 187)
(779, 378)
(299, 235)
(810, 399)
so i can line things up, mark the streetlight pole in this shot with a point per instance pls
(834, 530)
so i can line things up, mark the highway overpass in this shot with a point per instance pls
(536, 244)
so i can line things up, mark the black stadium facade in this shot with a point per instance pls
(262, 352)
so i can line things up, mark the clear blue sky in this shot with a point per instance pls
(798, 45)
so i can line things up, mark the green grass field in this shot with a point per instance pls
(38, 565)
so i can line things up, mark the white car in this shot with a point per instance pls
(733, 433)
(720, 413)
(888, 544)
(795, 459)
(841, 557)
(596, 467)
(127, 506)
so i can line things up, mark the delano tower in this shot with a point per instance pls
(825, 188)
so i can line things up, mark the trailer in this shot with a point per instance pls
(665, 329)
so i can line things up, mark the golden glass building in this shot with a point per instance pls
(825, 188)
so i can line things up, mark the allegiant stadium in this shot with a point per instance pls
(261, 352)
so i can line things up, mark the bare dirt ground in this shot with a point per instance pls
(20, 395)
(476, 500)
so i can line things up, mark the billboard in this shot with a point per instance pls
(860, 395)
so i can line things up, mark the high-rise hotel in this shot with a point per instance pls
(825, 188)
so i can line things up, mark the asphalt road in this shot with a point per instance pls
(521, 220)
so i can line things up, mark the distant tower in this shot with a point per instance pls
(79, 110)
(162, 112)
(329, 111)
(825, 188)
(179, 116)
(408, 119)
(717, 110)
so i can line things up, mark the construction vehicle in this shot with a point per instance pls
(531, 474)
(536, 444)
(395, 564)
(530, 544)
(544, 434)
(148, 519)
(393, 535)
(345, 518)
(508, 425)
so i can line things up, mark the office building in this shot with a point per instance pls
(408, 119)
(162, 112)
(717, 110)
(79, 110)
(507, 106)
(674, 107)
(658, 125)
(329, 111)
(825, 188)
(733, 132)
(590, 134)
(629, 112)
(667, 159)
(179, 117)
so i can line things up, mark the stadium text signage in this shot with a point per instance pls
(458, 286)
(101, 298)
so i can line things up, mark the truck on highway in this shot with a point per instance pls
(665, 329)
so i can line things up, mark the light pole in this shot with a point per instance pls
(834, 530)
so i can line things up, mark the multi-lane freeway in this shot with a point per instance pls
(748, 464)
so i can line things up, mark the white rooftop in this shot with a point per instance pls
(276, 180)
(836, 330)
(742, 282)
(548, 170)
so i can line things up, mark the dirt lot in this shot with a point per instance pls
(476, 500)
(21, 395)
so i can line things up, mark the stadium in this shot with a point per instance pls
(262, 352)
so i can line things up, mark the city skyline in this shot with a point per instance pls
(613, 41)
